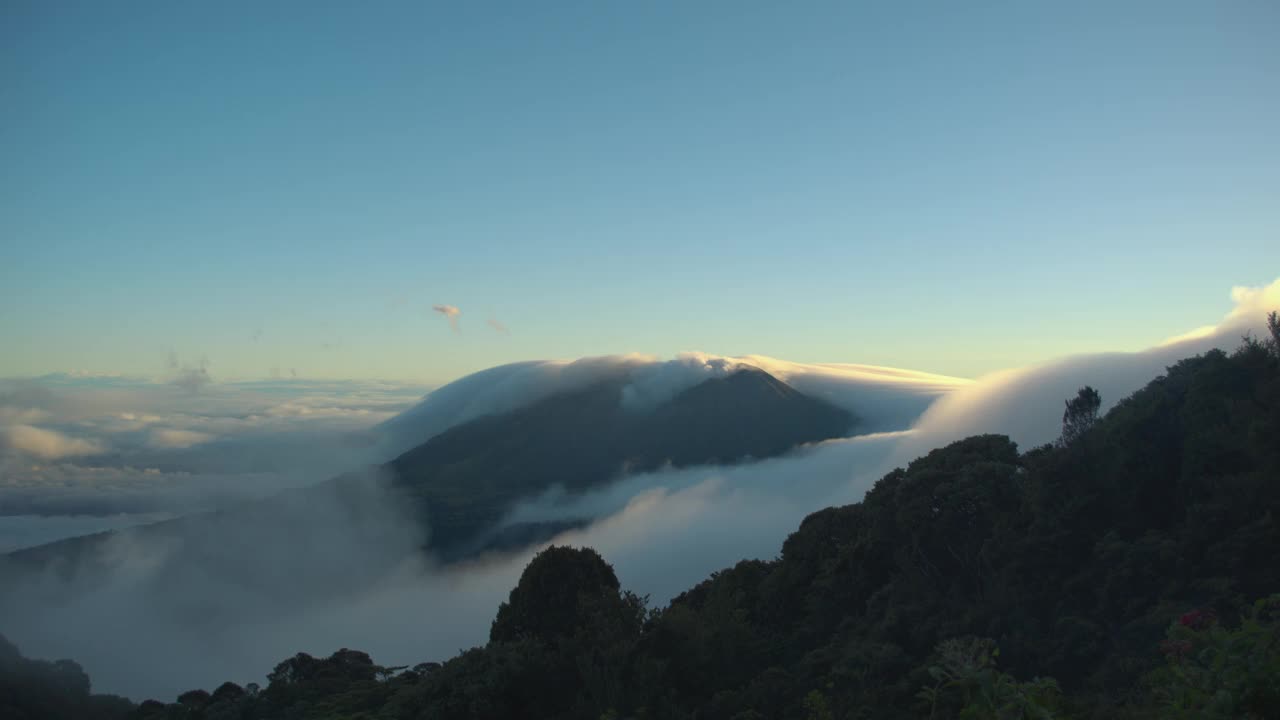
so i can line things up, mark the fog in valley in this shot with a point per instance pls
(316, 571)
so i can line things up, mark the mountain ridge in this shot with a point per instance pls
(461, 482)
(586, 438)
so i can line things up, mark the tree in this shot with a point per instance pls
(1080, 415)
(194, 699)
(966, 677)
(556, 593)
(227, 692)
(1273, 324)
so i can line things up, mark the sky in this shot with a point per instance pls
(293, 188)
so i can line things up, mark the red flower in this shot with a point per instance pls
(1198, 619)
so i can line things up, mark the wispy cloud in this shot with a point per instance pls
(497, 326)
(451, 312)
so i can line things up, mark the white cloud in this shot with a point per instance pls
(884, 399)
(43, 443)
(232, 441)
(171, 438)
(663, 531)
(1018, 402)
(451, 312)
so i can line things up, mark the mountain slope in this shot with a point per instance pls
(469, 476)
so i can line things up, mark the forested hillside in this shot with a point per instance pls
(1128, 571)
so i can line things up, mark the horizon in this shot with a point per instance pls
(1241, 299)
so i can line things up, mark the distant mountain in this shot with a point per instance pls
(468, 477)
(461, 483)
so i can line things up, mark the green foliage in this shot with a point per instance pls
(816, 706)
(1217, 672)
(966, 676)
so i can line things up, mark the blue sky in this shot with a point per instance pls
(949, 187)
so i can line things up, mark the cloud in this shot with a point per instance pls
(171, 438)
(264, 588)
(450, 312)
(1013, 402)
(193, 379)
(231, 580)
(47, 444)
(179, 452)
(25, 402)
(655, 383)
(26, 530)
(190, 378)
(884, 399)
(497, 326)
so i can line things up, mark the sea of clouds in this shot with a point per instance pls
(152, 629)
(81, 453)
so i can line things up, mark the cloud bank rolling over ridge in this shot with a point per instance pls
(663, 531)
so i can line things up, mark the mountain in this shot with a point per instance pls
(458, 485)
(467, 478)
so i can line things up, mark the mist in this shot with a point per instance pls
(314, 572)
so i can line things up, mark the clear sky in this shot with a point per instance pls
(952, 187)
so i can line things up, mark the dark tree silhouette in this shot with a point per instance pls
(227, 692)
(1273, 324)
(194, 699)
(1080, 415)
(554, 593)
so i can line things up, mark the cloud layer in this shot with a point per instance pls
(884, 399)
(105, 446)
(663, 531)
(44, 444)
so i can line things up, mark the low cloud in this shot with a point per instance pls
(45, 444)
(105, 446)
(26, 530)
(191, 378)
(252, 598)
(884, 399)
(451, 312)
(25, 403)
(171, 438)
(1013, 402)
